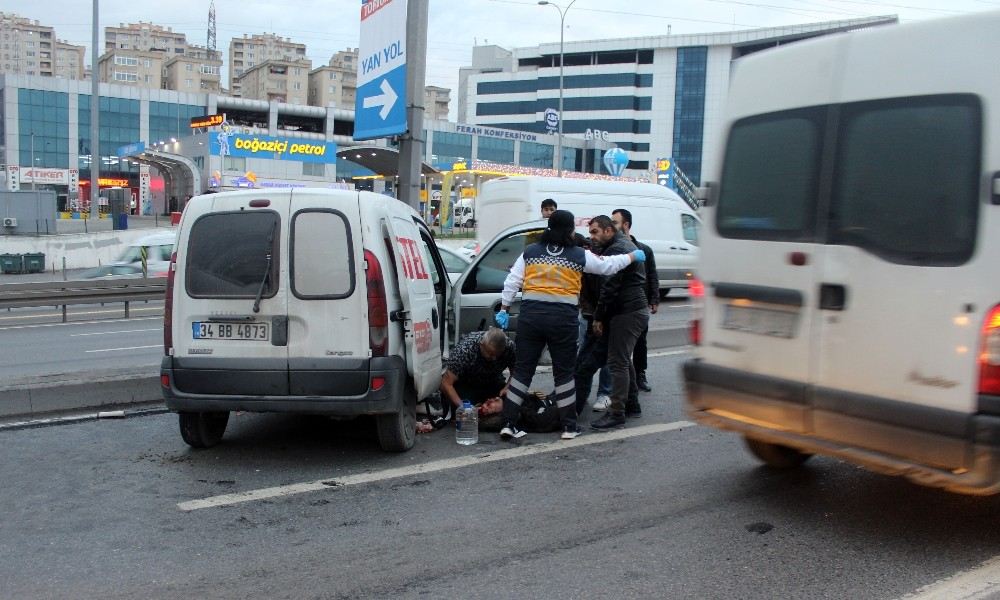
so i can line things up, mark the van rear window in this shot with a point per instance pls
(227, 255)
(322, 265)
(770, 178)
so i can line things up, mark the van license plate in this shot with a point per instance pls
(254, 332)
(760, 321)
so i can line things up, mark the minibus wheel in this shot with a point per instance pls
(203, 429)
(398, 431)
(776, 455)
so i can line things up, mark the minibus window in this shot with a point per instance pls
(771, 175)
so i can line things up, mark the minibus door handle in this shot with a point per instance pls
(434, 317)
(832, 296)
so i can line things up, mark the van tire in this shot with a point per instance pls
(398, 431)
(775, 455)
(203, 429)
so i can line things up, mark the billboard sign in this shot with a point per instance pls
(273, 148)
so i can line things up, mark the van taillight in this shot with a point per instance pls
(378, 313)
(168, 307)
(696, 290)
(989, 354)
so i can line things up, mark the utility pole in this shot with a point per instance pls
(411, 144)
(95, 114)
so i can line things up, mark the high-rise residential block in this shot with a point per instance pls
(279, 80)
(247, 52)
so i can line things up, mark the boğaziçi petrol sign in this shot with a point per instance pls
(207, 121)
(224, 143)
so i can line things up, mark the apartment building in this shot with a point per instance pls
(436, 102)
(30, 48)
(197, 70)
(335, 84)
(247, 52)
(132, 67)
(144, 37)
(278, 80)
(69, 60)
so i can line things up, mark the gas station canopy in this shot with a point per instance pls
(383, 161)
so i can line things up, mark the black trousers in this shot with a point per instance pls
(639, 354)
(592, 358)
(539, 325)
(623, 331)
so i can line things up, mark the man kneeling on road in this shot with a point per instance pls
(474, 369)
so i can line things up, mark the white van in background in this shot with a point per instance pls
(660, 217)
(850, 255)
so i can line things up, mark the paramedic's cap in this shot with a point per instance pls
(562, 220)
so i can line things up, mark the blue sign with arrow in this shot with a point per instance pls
(380, 105)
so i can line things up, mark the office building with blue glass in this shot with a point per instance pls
(655, 97)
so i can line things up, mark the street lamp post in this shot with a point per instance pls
(562, 30)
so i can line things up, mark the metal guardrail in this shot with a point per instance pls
(98, 291)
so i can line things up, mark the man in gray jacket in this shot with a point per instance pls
(623, 309)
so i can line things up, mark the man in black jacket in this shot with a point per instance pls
(622, 309)
(623, 221)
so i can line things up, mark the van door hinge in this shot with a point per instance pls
(398, 316)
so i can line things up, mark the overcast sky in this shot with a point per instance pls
(326, 26)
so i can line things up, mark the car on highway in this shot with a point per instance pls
(158, 248)
(114, 271)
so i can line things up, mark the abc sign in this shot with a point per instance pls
(596, 134)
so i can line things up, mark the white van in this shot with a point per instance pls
(307, 301)
(849, 259)
(660, 217)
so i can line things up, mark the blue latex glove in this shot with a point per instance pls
(638, 255)
(503, 319)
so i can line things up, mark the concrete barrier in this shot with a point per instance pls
(47, 395)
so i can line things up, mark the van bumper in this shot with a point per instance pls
(955, 451)
(204, 389)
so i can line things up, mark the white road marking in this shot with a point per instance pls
(109, 321)
(129, 348)
(978, 583)
(429, 467)
(114, 332)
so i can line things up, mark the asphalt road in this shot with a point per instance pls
(34, 342)
(96, 510)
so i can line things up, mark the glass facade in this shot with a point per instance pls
(528, 107)
(536, 155)
(689, 110)
(496, 150)
(168, 120)
(644, 80)
(450, 148)
(119, 126)
(43, 128)
(609, 125)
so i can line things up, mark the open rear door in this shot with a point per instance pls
(420, 316)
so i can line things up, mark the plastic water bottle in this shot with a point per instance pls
(467, 424)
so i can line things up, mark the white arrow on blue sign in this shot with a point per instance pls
(380, 106)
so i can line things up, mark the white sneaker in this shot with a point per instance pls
(510, 432)
(602, 403)
(570, 433)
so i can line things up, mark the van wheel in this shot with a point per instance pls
(398, 431)
(203, 429)
(664, 293)
(776, 455)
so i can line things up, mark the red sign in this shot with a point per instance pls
(413, 263)
(423, 336)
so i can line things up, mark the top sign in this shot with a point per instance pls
(207, 121)
(380, 106)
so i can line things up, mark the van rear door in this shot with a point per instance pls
(327, 301)
(229, 331)
(898, 291)
(762, 272)
(422, 320)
